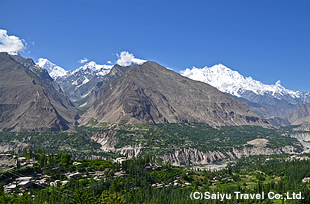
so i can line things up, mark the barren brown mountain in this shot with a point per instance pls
(150, 93)
(301, 115)
(29, 99)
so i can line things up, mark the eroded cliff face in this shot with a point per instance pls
(302, 136)
(303, 127)
(249, 151)
(189, 156)
(12, 146)
(108, 141)
(193, 156)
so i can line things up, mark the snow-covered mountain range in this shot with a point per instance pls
(266, 100)
(234, 83)
(78, 83)
(86, 73)
(269, 100)
(92, 68)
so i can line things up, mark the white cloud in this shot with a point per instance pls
(109, 62)
(84, 60)
(11, 44)
(127, 59)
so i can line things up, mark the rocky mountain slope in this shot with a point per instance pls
(150, 93)
(116, 72)
(29, 98)
(266, 100)
(301, 115)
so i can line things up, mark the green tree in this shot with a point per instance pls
(83, 196)
(111, 198)
(42, 160)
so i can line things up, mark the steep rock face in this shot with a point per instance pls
(194, 156)
(12, 146)
(305, 136)
(116, 72)
(301, 115)
(150, 93)
(304, 139)
(108, 141)
(303, 127)
(29, 99)
(189, 156)
(249, 151)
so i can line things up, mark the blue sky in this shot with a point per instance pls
(268, 40)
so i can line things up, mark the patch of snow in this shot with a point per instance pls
(75, 83)
(85, 81)
(83, 96)
(84, 104)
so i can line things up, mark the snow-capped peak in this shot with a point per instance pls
(229, 81)
(93, 67)
(53, 70)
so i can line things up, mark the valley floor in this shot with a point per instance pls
(59, 179)
(91, 165)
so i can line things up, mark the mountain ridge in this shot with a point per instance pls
(78, 83)
(232, 82)
(150, 93)
(276, 101)
(301, 115)
(29, 99)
